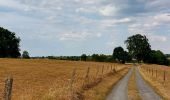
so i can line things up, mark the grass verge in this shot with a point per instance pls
(100, 91)
(133, 93)
(159, 88)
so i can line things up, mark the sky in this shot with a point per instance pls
(75, 27)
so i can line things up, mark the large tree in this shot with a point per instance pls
(121, 55)
(9, 44)
(139, 47)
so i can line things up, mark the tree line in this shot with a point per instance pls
(138, 46)
(139, 49)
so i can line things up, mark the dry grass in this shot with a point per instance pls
(100, 91)
(156, 78)
(48, 79)
(133, 93)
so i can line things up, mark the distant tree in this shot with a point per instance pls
(101, 58)
(95, 57)
(118, 54)
(121, 55)
(83, 57)
(158, 57)
(138, 47)
(25, 55)
(9, 44)
(127, 56)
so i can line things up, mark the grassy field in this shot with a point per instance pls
(51, 79)
(159, 77)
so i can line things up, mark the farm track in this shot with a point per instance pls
(120, 90)
(146, 92)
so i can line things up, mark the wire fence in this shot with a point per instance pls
(80, 80)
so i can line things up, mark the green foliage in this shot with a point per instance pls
(72, 58)
(157, 57)
(83, 57)
(101, 58)
(118, 54)
(127, 56)
(25, 55)
(138, 47)
(121, 55)
(9, 44)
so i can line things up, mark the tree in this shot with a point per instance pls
(101, 58)
(127, 56)
(83, 57)
(139, 47)
(121, 55)
(9, 44)
(118, 54)
(157, 57)
(25, 55)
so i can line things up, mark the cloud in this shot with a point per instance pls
(85, 10)
(108, 10)
(149, 23)
(113, 22)
(75, 36)
(157, 38)
(86, 1)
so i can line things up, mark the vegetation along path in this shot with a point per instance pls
(146, 92)
(120, 91)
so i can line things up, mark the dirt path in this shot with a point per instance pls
(146, 92)
(120, 90)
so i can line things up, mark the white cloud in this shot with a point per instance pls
(162, 18)
(108, 10)
(114, 22)
(157, 38)
(85, 10)
(77, 36)
(12, 4)
(149, 23)
(86, 1)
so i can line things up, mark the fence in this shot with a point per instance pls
(80, 79)
(159, 74)
(90, 80)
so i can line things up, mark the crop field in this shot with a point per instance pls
(52, 79)
(159, 77)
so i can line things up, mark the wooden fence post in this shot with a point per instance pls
(102, 70)
(8, 88)
(72, 82)
(87, 75)
(97, 72)
(164, 77)
(156, 73)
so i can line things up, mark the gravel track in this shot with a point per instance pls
(120, 90)
(146, 92)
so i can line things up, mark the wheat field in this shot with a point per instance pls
(50, 79)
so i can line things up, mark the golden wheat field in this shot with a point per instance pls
(54, 80)
(159, 77)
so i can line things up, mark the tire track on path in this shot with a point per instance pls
(145, 90)
(120, 90)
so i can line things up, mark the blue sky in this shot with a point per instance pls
(74, 27)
